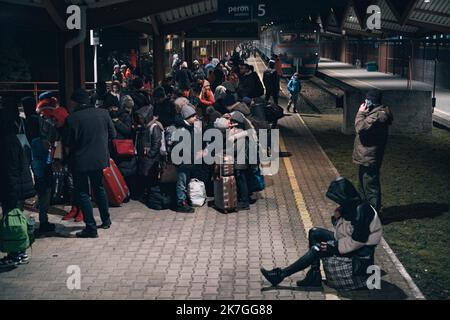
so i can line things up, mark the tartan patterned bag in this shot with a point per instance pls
(339, 274)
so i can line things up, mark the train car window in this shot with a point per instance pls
(287, 37)
(308, 37)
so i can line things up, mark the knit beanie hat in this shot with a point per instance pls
(238, 117)
(187, 111)
(127, 102)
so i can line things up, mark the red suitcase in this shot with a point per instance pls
(115, 185)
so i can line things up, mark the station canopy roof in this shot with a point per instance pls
(398, 17)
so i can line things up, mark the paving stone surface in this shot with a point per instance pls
(205, 255)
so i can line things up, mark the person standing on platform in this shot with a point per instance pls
(88, 131)
(117, 75)
(294, 88)
(271, 81)
(372, 129)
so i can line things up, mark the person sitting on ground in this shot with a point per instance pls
(294, 88)
(358, 231)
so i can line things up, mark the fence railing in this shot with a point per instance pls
(35, 88)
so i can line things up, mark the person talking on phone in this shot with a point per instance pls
(372, 129)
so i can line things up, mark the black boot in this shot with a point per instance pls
(312, 279)
(274, 276)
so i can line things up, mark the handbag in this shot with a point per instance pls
(124, 147)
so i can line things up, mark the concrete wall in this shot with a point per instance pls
(411, 109)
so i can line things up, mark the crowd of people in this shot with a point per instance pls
(135, 126)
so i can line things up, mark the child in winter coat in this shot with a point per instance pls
(294, 88)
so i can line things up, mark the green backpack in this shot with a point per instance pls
(14, 232)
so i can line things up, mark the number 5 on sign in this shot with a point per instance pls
(261, 10)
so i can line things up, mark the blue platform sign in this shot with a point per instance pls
(236, 10)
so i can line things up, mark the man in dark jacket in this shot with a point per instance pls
(139, 95)
(164, 107)
(372, 129)
(272, 82)
(249, 83)
(184, 77)
(88, 131)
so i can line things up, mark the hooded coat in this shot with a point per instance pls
(16, 182)
(148, 142)
(359, 225)
(372, 130)
(294, 86)
(184, 78)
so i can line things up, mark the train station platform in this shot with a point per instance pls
(347, 75)
(205, 255)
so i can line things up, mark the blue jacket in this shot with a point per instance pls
(294, 85)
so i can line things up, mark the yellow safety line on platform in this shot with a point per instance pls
(298, 196)
(303, 212)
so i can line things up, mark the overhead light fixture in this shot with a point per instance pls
(427, 1)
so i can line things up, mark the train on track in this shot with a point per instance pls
(297, 46)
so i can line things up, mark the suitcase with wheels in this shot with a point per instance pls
(225, 194)
(115, 185)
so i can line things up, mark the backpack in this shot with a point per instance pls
(163, 148)
(14, 232)
(167, 134)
